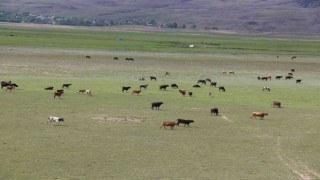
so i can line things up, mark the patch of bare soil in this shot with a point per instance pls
(103, 118)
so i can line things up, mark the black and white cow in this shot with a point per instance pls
(53, 119)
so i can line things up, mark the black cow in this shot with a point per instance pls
(298, 80)
(153, 78)
(292, 70)
(115, 58)
(202, 81)
(66, 86)
(60, 90)
(208, 80)
(278, 77)
(156, 105)
(190, 94)
(164, 87)
(214, 111)
(125, 88)
(9, 83)
(88, 57)
(174, 86)
(221, 88)
(213, 84)
(49, 88)
(141, 79)
(144, 86)
(184, 121)
(196, 86)
(289, 77)
(129, 59)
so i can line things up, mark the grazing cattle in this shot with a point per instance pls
(136, 92)
(60, 90)
(144, 86)
(208, 80)
(290, 74)
(276, 104)
(167, 74)
(55, 120)
(9, 88)
(190, 94)
(82, 91)
(202, 81)
(49, 88)
(213, 84)
(289, 77)
(298, 81)
(224, 72)
(293, 57)
(292, 70)
(125, 88)
(88, 57)
(9, 83)
(259, 114)
(215, 111)
(129, 59)
(259, 78)
(174, 86)
(196, 86)
(115, 58)
(266, 78)
(66, 86)
(163, 87)
(168, 123)
(184, 121)
(221, 88)
(278, 77)
(141, 79)
(231, 72)
(265, 88)
(57, 94)
(156, 105)
(182, 91)
(153, 78)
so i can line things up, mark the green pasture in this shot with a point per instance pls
(116, 135)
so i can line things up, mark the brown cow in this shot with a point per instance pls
(57, 94)
(168, 123)
(259, 114)
(276, 104)
(136, 92)
(182, 91)
(9, 88)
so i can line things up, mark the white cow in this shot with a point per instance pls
(53, 119)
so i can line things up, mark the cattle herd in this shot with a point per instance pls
(9, 86)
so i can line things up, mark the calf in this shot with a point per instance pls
(183, 121)
(208, 80)
(190, 94)
(298, 81)
(168, 123)
(88, 92)
(136, 92)
(156, 105)
(9, 88)
(125, 88)
(214, 111)
(55, 120)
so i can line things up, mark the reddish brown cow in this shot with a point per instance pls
(182, 91)
(57, 94)
(168, 123)
(136, 92)
(259, 114)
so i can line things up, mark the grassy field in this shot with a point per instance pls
(116, 135)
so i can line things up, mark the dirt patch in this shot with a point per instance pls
(103, 118)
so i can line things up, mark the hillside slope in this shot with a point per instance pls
(262, 16)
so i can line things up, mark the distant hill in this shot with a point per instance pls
(249, 16)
